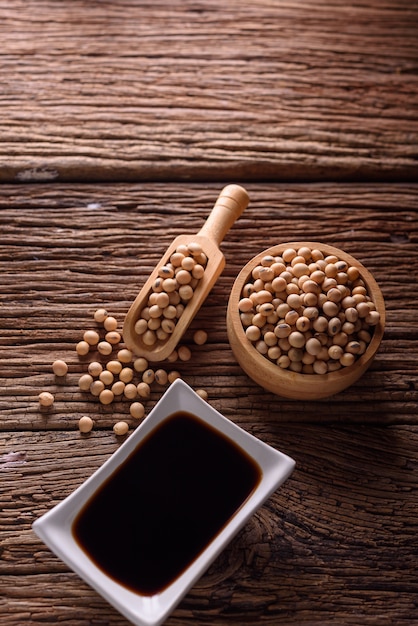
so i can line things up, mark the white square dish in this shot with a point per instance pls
(59, 528)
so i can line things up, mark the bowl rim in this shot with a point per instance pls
(241, 345)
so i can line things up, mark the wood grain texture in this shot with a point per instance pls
(336, 543)
(120, 122)
(67, 250)
(129, 91)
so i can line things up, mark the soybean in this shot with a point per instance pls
(82, 348)
(104, 347)
(59, 367)
(95, 368)
(85, 381)
(137, 410)
(100, 315)
(120, 428)
(173, 375)
(200, 337)
(46, 398)
(307, 312)
(184, 353)
(202, 393)
(110, 323)
(143, 389)
(174, 288)
(85, 424)
(91, 337)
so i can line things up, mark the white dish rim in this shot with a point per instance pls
(54, 527)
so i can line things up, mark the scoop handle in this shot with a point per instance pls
(230, 204)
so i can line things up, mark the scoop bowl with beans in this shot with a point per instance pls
(305, 320)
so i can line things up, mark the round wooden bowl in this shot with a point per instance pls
(284, 382)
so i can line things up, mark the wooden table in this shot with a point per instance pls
(120, 122)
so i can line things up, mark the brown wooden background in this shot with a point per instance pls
(120, 122)
(258, 90)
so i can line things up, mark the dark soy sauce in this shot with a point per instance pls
(158, 511)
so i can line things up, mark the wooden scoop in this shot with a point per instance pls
(231, 202)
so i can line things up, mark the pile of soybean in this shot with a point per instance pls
(307, 312)
(171, 291)
(114, 373)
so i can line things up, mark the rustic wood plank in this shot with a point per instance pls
(335, 544)
(68, 249)
(122, 90)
